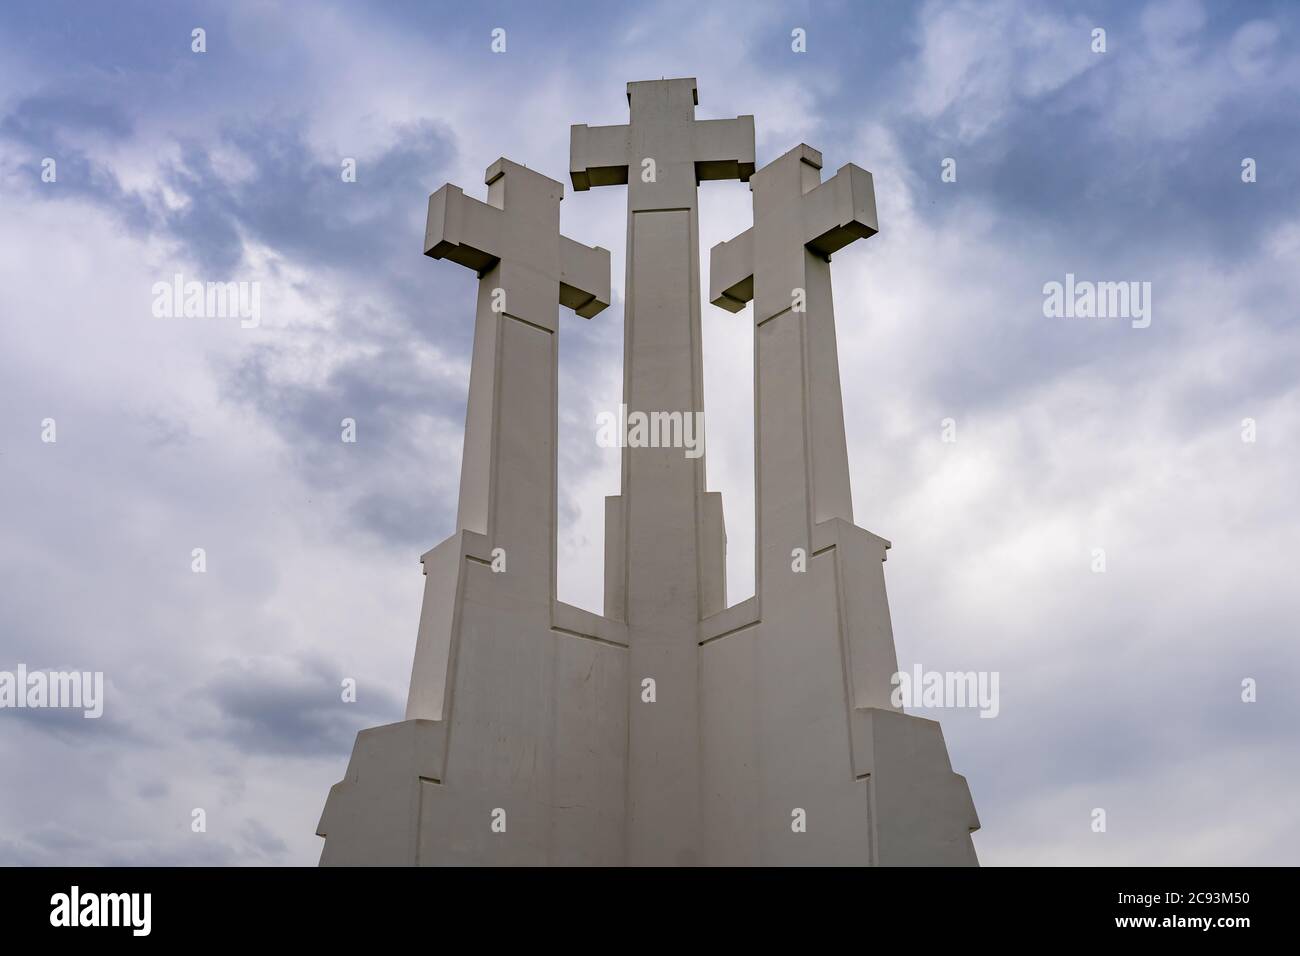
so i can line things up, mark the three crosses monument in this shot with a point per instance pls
(673, 729)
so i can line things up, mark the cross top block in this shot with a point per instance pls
(662, 126)
(834, 213)
(792, 208)
(678, 87)
(518, 230)
(530, 193)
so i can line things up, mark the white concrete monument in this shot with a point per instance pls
(672, 729)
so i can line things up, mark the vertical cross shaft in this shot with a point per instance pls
(782, 262)
(526, 270)
(664, 539)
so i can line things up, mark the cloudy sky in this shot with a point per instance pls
(1120, 690)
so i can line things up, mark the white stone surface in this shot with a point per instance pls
(528, 738)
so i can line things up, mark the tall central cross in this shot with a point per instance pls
(665, 544)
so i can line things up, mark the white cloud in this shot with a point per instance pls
(979, 60)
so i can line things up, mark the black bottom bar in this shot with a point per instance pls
(604, 909)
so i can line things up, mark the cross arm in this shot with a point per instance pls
(464, 230)
(598, 155)
(840, 210)
(731, 272)
(724, 148)
(584, 277)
